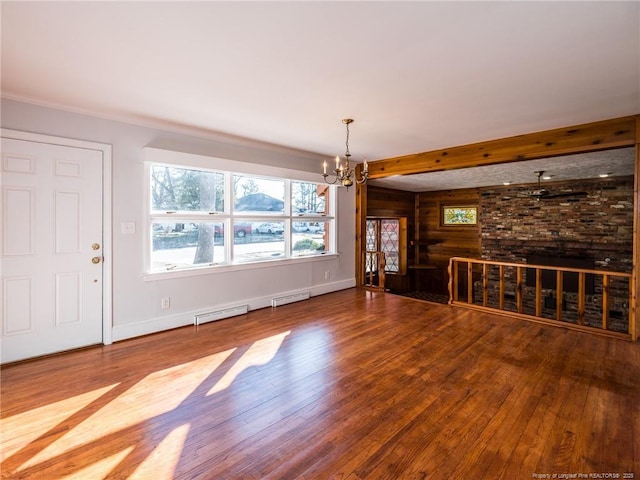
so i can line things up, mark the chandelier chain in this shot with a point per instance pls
(347, 153)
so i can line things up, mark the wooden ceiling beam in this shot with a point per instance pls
(589, 137)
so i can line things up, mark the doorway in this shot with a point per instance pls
(55, 245)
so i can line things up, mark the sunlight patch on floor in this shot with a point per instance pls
(156, 394)
(22, 429)
(102, 468)
(162, 462)
(261, 352)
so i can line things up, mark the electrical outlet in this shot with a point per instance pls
(128, 228)
(165, 302)
(327, 275)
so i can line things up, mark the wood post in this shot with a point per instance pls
(634, 308)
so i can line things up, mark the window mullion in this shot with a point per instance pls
(288, 226)
(228, 230)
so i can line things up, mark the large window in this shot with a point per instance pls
(204, 218)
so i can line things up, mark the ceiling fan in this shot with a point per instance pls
(541, 192)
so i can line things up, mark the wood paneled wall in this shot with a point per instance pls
(429, 242)
(385, 202)
(435, 243)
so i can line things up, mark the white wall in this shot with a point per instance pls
(136, 300)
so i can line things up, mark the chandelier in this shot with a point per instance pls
(343, 173)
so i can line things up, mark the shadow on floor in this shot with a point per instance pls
(429, 297)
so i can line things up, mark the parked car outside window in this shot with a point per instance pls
(270, 228)
(239, 229)
(311, 227)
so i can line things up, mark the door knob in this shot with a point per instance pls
(95, 246)
(95, 260)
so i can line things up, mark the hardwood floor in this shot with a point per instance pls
(350, 385)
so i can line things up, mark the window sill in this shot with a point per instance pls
(216, 269)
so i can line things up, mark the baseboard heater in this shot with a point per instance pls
(295, 297)
(201, 318)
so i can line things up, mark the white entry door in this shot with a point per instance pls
(51, 248)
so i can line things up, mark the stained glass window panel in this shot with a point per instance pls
(460, 215)
(382, 235)
(389, 243)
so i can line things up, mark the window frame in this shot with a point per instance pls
(229, 168)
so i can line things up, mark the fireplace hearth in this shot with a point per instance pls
(569, 279)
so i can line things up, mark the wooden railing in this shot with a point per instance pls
(373, 266)
(501, 287)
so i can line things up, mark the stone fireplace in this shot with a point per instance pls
(593, 231)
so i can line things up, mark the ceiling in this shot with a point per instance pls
(416, 76)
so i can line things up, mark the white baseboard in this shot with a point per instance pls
(332, 287)
(167, 322)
